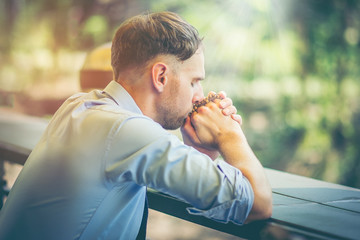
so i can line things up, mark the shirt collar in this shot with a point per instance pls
(121, 97)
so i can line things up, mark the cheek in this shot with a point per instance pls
(187, 99)
(198, 93)
(186, 94)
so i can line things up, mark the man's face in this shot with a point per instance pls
(183, 90)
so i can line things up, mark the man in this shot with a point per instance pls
(87, 177)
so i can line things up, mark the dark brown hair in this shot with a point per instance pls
(143, 37)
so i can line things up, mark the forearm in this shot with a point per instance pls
(237, 152)
(216, 131)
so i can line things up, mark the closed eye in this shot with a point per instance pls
(196, 81)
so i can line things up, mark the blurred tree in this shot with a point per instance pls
(328, 52)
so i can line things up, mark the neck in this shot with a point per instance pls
(142, 92)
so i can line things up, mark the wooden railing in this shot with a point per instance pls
(304, 208)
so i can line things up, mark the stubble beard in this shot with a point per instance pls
(170, 106)
(172, 119)
(170, 109)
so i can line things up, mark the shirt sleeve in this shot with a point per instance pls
(237, 209)
(141, 151)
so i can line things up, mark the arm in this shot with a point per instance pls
(216, 131)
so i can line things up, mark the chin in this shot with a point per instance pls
(173, 125)
(167, 127)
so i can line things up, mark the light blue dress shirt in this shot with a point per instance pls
(87, 177)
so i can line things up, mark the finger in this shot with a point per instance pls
(226, 102)
(222, 94)
(188, 131)
(187, 126)
(237, 118)
(229, 110)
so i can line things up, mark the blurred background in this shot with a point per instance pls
(291, 67)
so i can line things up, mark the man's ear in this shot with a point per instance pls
(159, 76)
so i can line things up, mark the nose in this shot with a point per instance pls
(198, 94)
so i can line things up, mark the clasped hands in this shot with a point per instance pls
(215, 122)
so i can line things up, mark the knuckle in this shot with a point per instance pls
(234, 109)
(212, 105)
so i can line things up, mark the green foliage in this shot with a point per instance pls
(291, 67)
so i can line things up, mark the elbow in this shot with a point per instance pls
(267, 206)
(265, 203)
(267, 212)
(262, 208)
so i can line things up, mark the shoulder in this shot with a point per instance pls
(142, 129)
(139, 137)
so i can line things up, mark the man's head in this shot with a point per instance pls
(159, 60)
(143, 37)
